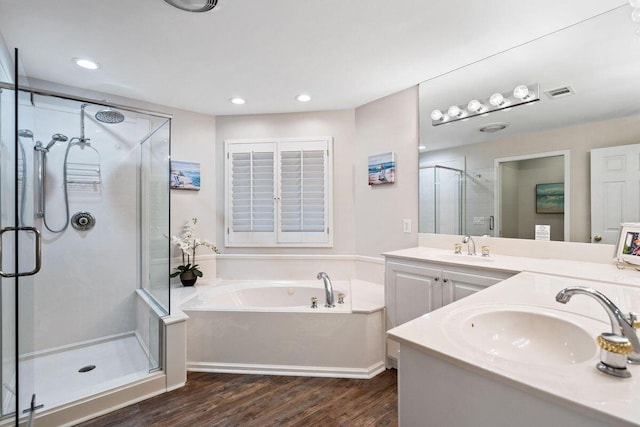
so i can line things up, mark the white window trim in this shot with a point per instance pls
(275, 243)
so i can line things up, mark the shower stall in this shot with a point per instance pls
(441, 200)
(84, 264)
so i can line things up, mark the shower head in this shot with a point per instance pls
(56, 137)
(25, 133)
(109, 116)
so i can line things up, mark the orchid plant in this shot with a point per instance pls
(188, 243)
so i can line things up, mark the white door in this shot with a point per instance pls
(615, 190)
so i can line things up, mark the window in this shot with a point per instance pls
(278, 192)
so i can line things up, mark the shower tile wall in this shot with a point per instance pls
(86, 288)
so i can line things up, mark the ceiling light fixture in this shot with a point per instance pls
(237, 101)
(521, 95)
(494, 127)
(193, 5)
(303, 97)
(86, 63)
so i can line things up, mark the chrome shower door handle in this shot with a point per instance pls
(38, 251)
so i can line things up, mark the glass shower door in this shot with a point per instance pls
(19, 254)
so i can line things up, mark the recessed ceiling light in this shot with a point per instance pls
(494, 127)
(237, 101)
(422, 147)
(303, 97)
(86, 63)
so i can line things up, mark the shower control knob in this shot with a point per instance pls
(83, 221)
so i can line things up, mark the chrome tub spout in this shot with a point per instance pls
(328, 289)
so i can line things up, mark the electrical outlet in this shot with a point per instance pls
(478, 220)
(406, 225)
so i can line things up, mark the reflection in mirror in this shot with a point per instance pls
(588, 93)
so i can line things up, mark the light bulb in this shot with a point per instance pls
(635, 15)
(496, 99)
(86, 63)
(521, 92)
(454, 112)
(475, 106)
(635, 3)
(436, 115)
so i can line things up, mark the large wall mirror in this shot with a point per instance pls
(504, 172)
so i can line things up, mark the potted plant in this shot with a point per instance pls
(188, 243)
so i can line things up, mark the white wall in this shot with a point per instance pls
(6, 63)
(387, 124)
(337, 124)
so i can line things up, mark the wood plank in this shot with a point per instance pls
(265, 400)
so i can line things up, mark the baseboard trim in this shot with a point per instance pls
(287, 370)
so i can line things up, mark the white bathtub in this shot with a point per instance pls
(268, 327)
(266, 296)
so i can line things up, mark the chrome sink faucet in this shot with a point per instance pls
(470, 244)
(328, 289)
(621, 324)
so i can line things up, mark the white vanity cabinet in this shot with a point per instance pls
(415, 287)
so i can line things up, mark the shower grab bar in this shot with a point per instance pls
(38, 251)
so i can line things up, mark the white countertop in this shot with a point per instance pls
(586, 270)
(578, 385)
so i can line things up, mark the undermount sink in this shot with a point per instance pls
(526, 336)
(465, 258)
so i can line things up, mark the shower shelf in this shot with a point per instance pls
(83, 173)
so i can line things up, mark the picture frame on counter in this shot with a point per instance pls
(628, 245)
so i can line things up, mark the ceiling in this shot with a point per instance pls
(601, 71)
(344, 53)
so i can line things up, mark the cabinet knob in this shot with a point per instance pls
(436, 279)
(597, 237)
(445, 280)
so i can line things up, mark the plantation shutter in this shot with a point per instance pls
(251, 169)
(303, 192)
(278, 193)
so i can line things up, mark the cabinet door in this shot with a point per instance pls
(411, 291)
(458, 285)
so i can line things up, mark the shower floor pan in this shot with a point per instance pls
(65, 376)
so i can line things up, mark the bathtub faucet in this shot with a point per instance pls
(328, 289)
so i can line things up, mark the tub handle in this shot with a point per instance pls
(314, 302)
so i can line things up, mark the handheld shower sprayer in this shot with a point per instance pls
(56, 137)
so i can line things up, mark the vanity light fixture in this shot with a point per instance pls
(497, 100)
(455, 112)
(521, 95)
(476, 107)
(86, 63)
(237, 101)
(437, 116)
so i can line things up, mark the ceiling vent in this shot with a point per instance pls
(193, 5)
(560, 92)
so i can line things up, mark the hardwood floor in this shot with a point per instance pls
(265, 400)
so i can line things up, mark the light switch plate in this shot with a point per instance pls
(406, 225)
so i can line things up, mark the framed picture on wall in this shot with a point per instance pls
(628, 246)
(382, 169)
(185, 175)
(550, 198)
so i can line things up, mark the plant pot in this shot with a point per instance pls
(188, 278)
